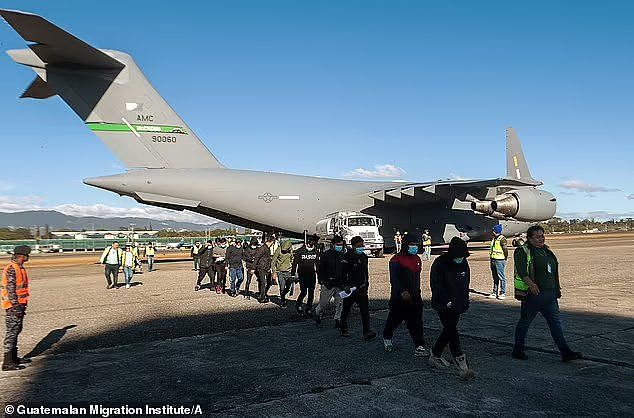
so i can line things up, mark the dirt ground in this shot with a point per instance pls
(162, 343)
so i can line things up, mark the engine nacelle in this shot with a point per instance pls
(482, 206)
(528, 205)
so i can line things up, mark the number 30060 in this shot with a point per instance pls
(162, 138)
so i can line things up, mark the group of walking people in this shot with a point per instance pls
(342, 273)
(128, 259)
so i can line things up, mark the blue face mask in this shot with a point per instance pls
(458, 260)
(339, 248)
(412, 249)
(359, 250)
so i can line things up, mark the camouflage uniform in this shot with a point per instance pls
(14, 315)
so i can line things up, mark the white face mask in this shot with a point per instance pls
(458, 260)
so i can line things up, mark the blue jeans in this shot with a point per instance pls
(236, 275)
(546, 304)
(150, 262)
(499, 277)
(128, 272)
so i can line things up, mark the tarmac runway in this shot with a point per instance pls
(161, 343)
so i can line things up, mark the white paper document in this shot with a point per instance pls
(343, 294)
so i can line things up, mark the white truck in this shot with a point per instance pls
(349, 225)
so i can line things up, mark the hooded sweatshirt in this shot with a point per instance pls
(283, 258)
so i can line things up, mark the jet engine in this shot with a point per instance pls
(528, 205)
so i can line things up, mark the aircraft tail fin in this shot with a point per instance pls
(516, 165)
(108, 91)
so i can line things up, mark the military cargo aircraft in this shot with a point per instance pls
(170, 167)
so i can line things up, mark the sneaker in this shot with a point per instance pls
(387, 345)
(127, 286)
(493, 295)
(218, 290)
(438, 362)
(571, 355)
(196, 288)
(369, 336)
(421, 351)
(502, 296)
(463, 367)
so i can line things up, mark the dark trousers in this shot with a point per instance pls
(360, 297)
(307, 288)
(150, 262)
(250, 273)
(112, 270)
(546, 304)
(264, 282)
(412, 314)
(449, 334)
(205, 271)
(196, 262)
(220, 269)
(14, 320)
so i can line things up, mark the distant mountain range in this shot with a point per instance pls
(58, 221)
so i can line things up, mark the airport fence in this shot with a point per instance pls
(74, 245)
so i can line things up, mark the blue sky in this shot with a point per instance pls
(325, 88)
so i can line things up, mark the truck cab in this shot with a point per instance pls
(349, 225)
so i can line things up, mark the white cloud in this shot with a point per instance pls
(585, 187)
(381, 171)
(24, 203)
(20, 203)
(630, 197)
(454, 176)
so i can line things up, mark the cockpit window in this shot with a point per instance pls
(360, 222)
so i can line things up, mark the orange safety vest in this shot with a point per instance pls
(21, 285)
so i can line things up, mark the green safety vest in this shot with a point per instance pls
(521, 288)
(496, 252)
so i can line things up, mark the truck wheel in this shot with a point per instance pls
(378, 254)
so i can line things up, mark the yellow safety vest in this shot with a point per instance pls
(496, 253)
(149, 250)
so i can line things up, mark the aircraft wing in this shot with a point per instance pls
(451, 190)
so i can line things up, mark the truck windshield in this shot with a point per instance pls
(360, 222)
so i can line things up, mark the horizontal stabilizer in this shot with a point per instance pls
(38, 89)
(55, 46)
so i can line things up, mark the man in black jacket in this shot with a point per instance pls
(329, 272)
(234, 262)
(262, 263)
(449, 279)
(305, 268)
(406, 301)
(205, 264)
(355, 275)
(249, 260)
